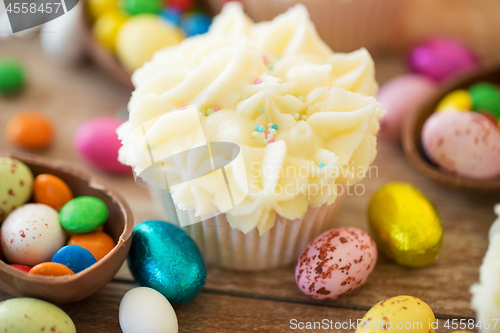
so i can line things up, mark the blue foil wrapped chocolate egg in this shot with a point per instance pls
(165, 258)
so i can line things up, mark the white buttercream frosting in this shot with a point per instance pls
(278, 72)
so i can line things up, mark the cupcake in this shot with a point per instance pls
(298, 123)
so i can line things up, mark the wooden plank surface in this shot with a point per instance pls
(264, 301)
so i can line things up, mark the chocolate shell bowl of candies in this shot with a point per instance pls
(64, 233)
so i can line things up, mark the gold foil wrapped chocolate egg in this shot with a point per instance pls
(405, 225)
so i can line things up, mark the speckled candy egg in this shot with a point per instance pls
(463, 143)
(393, 313)
(401, 97)
(17, 182)
(22, 315)
(32, 234)
(336, 263)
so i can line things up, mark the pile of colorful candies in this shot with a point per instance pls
(463, 135)
(34, 236)
(135, 29)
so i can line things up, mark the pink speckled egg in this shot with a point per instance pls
(440, 58)
(336, 263)
(401, 97)
(463, 143)
(32, 234)
(96, 141)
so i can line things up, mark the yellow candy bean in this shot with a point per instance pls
(96, 8)
(106, 28)
(456, 100)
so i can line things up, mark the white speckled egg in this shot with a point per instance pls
(16, 182)
(463, 143)
(145, 310)
(31, 235)
(336, 263)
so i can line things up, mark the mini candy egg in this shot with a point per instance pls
(22, 315)
(183, 5)
(17, 183)
(22, 268)
(106, 28)
(74, 257)
(97, 242)
(30, 130)
(440, 58)
(195, 24)
(171, 15)
(97, 142)
(465, 143)
(141, 36)
(145, 310)
(486, 96)
(51, 269)
(31, 234)
(336, 263)
(458, 100)
(51, 191)
(401, 97)
(83, 214)
(135, 7)
(96, 8)
(157, 245)
(405, 225)
(400, 310)
(12, 76)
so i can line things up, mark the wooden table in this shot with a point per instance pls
(267, 301)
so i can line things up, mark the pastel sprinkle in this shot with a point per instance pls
(278, 57)
(182, 106)
(271, 67)
(272, 131)
(244, 97)
(296, 115)
(257, 127)
(210, 111)
(266, 133)
(262, 129)
(269, 136)
(261, 110)
(275, 127)
(321, 165)
(204, 112)
(216, 108)
(155, 144)
(265, 142)
(303, 117)
(174, 109)
(270, 125)
(271, 140)
(266, 61)
(301, 98)
(257, 81)
(255, 134)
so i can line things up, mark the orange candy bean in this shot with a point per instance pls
(51, 191)
(51, 269)
(30, 130)
(97, 242)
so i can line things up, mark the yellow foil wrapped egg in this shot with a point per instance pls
(399, 314)
(405, 225)
(107, 26)
(141, 36)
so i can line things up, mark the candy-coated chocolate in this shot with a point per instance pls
(405, 224)
(141, 36)
(457, 100)
(96, 141)
(401, 97)
(486, 96)
(336, 263)
(31, 234)
(171, 15)
(83, 214)
(385, 316)
(22, 268)
(157, 245)
(51, 269)
(96, 8)
(30, 130)
(12, 76)
(195, 24)
(97, 242)
(136, 7)
(51, 191)
(144, 309)
(74, 257)
(183, 5)
(466, 144)
(440, 58)
(17, 184)
(106, 28)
